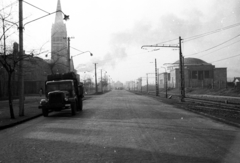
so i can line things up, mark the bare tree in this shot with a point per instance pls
(9, 58)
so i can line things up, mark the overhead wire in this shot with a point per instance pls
(36, 7)
(220, 48)
(76, 49)
(202, 34)
(211, 32)
(167, 41)
(215, 46)
(226, 58)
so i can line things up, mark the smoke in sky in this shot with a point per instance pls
(191, 22)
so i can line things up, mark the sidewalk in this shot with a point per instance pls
(30, 111)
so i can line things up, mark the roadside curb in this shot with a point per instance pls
(27, 119)
(19, 122)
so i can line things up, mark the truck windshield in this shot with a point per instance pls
(61, 86)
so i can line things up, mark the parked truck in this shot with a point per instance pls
(62, 91)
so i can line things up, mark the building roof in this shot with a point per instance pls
(193, 61)
(236, 79)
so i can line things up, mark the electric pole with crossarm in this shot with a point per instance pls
(181, 65)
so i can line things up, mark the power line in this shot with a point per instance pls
(211, 32)
(214, 46)
(226, 58)
(167, 41)
(203, 34)
(76, 49)
(36, 7)
(220, 48)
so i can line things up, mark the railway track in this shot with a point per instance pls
(229, 113)
(221, 110)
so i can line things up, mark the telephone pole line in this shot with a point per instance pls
(181, 65)
(68, 57)
(156, 77)
(101, 81)
(21, 75)
(96, 86)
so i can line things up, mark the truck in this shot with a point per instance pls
(62, 91)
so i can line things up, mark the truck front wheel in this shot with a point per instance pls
(73, 108)
(45, 112)
(80, 106)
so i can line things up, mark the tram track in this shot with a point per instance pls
(220, 110)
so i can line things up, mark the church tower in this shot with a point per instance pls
(59, 45)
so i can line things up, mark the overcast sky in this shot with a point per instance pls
(115, 30)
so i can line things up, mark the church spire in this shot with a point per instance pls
(59, 17)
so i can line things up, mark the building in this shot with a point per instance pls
(236, 82)
(118, 85)
(197, 73)
(59, 43)
(35, 74)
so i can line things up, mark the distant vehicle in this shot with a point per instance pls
(62, 91)
(119, 88)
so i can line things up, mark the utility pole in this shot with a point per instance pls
(68, 54)
(141, 83)
(181, 65)
(96, 86)
(181, 68)
(101, 81)
(166, 81)
(147, 83)
(156, 77)
(68, 57)
(21, 76)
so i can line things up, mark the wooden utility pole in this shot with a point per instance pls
(68, 57)
(101, 81)
(96, 86)
(21, 73)
(156, 77)
(181, 65)
(147, 83)
(181, 69)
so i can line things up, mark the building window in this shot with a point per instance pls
(200, 75)
(169, 77)
(161, 81)
(194, 75)
(207, 74)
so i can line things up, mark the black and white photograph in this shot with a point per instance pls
(119, 81)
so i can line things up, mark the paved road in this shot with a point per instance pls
(122, 127)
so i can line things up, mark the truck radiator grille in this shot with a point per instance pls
(56, 98)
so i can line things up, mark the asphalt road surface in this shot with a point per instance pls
(120, 126)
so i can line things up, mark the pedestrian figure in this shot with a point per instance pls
(40, 92)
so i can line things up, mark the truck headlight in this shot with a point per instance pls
(43, 102)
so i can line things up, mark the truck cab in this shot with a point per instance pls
(62, 91)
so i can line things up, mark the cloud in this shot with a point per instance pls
(190, 22)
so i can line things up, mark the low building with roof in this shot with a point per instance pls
(236, 81)
(197, 73)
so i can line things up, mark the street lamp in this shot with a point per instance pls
(82, 53)
(21, 27)
(166, 79)
(75, 56)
